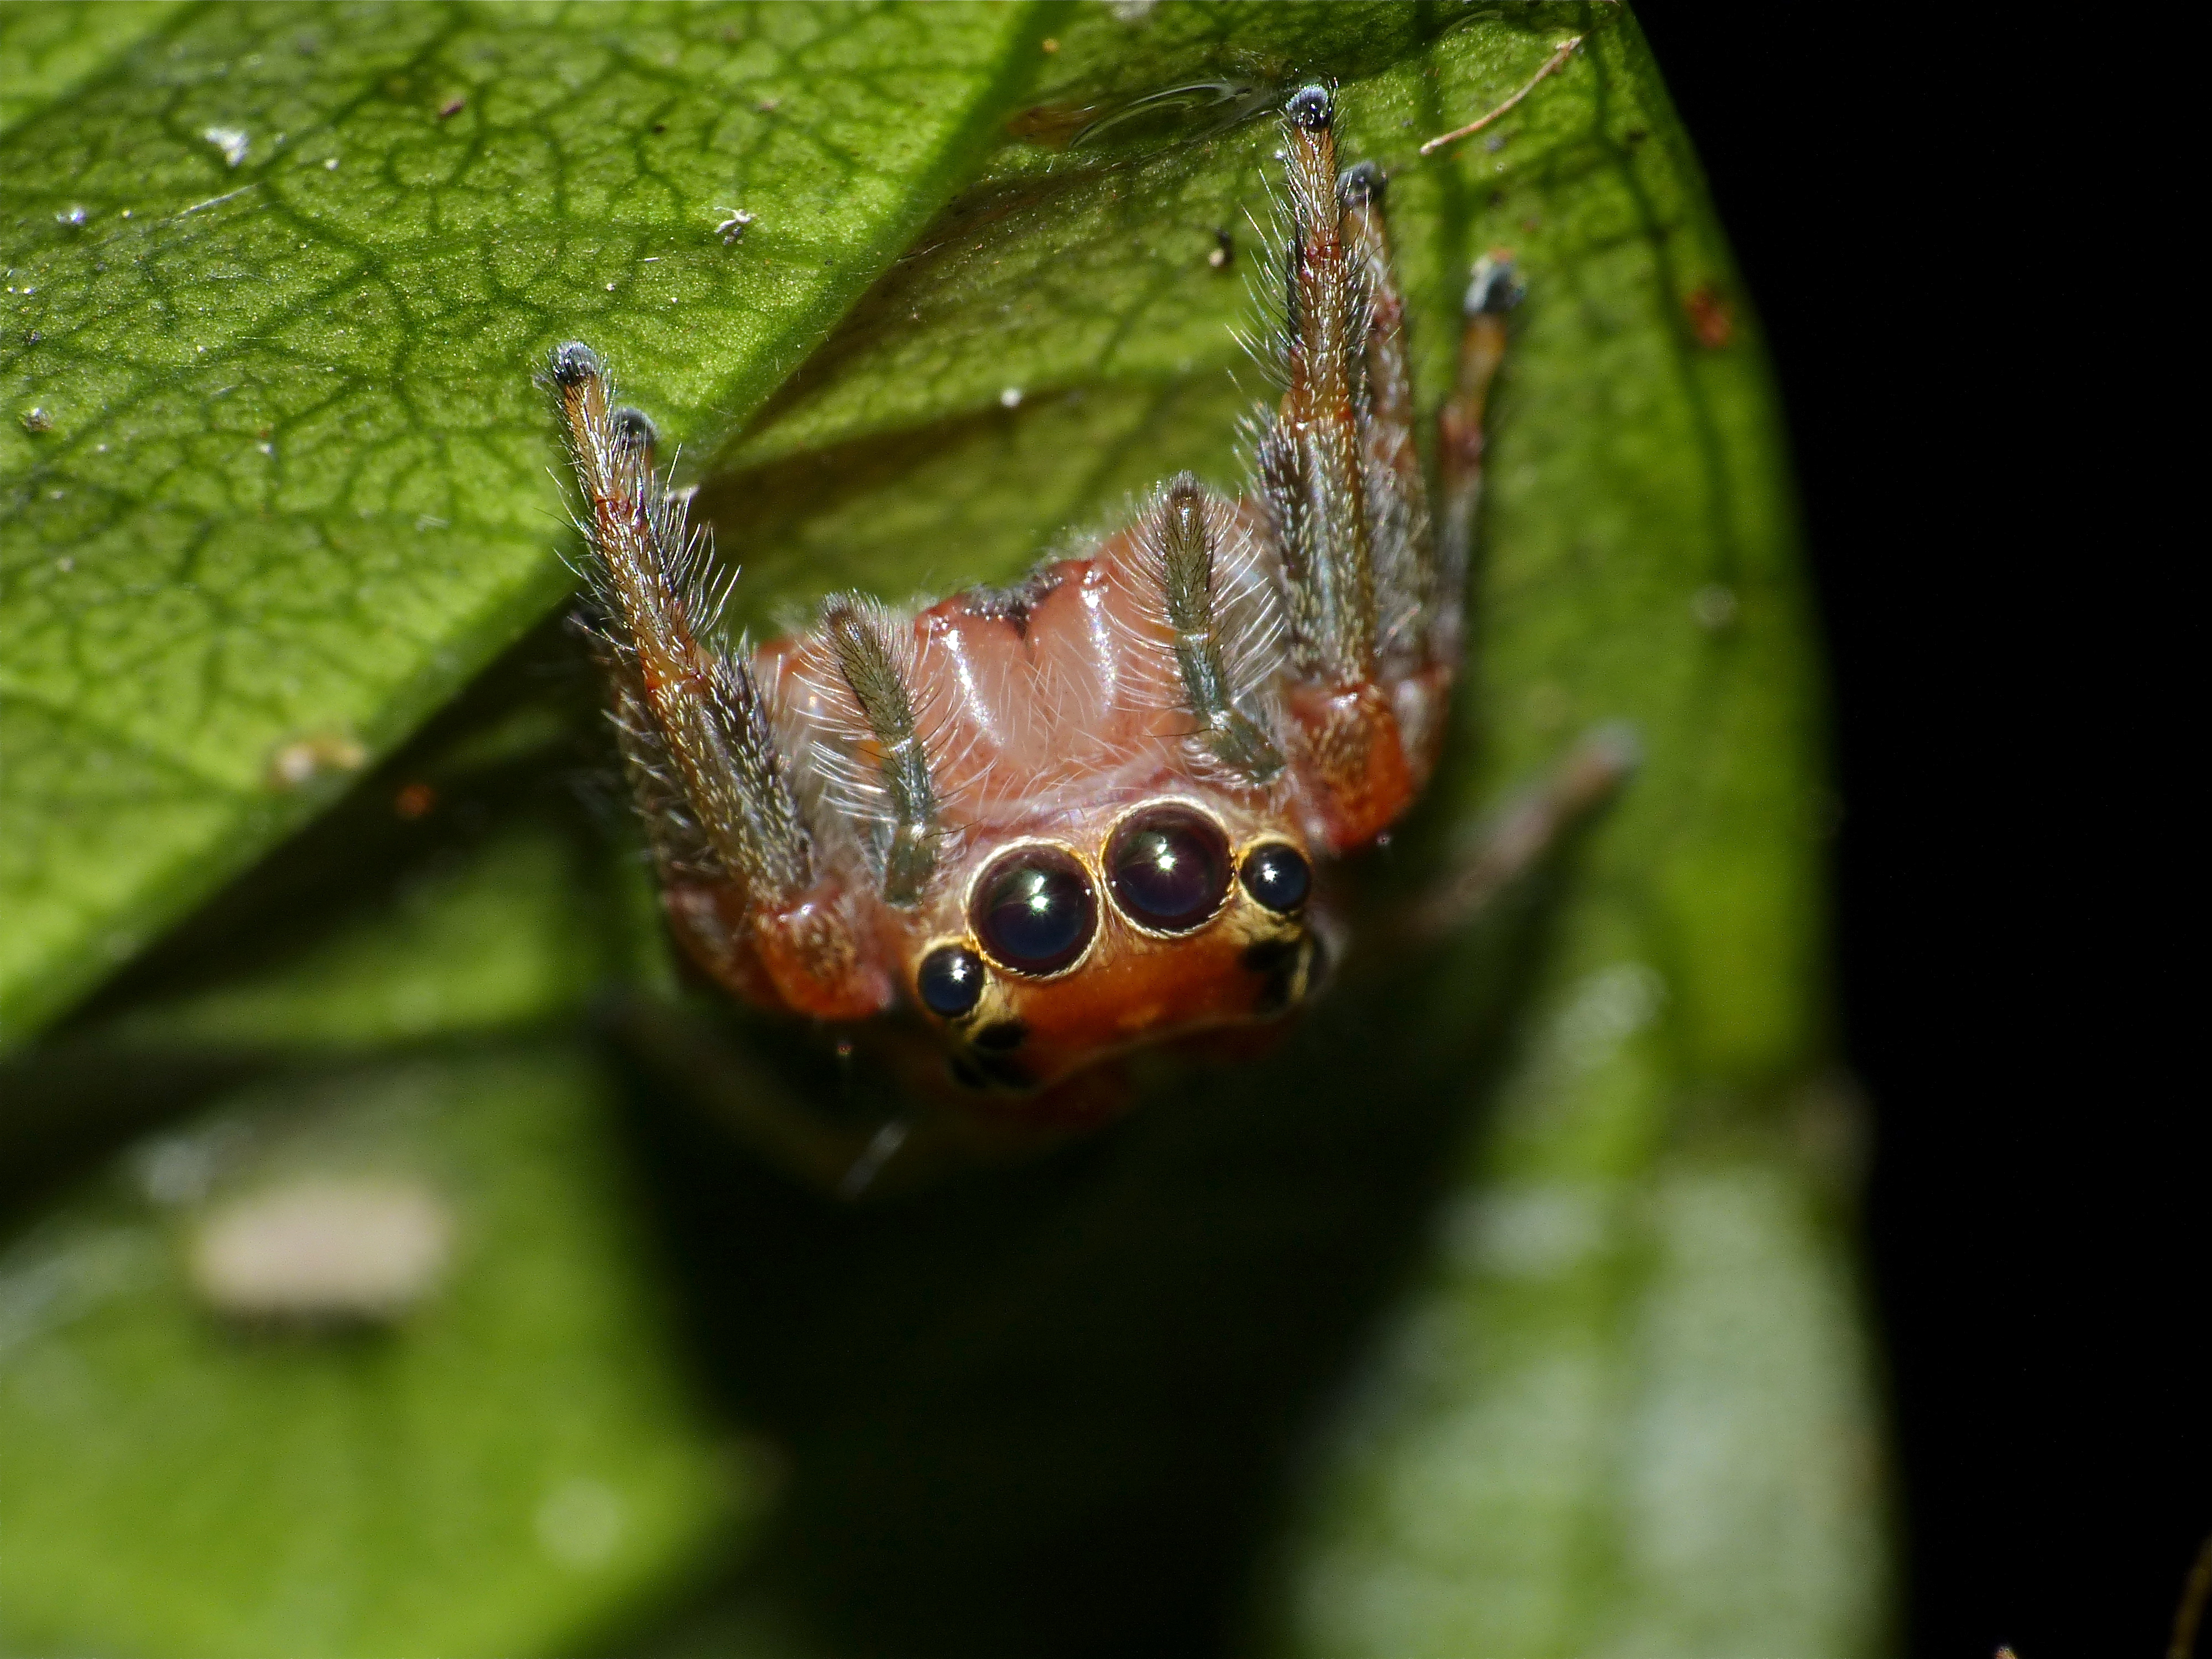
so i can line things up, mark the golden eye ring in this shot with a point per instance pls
(1033, 910)
(1167, 867)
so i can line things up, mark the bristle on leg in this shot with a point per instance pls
(1312, 472)
(1185, 544)
(868, 658)
(705, 707)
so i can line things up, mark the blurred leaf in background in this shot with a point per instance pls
(490, 1472)
(1507, 1309)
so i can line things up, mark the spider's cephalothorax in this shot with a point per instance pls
(1093, 810)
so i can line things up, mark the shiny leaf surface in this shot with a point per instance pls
(277, 277)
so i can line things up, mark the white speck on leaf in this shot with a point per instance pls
(1011, 398)
(299, 762)
(232, 141)
(733, 226)
(323, 1246)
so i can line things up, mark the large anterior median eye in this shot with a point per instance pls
(1169, 868)
(1035, 911)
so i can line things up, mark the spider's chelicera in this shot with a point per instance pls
(1095, 810)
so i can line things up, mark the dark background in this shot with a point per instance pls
(1932, 224)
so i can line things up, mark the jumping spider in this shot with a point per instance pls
(1033, 828)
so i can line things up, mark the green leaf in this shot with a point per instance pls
(489, 943)
(1522, 1267)
(507, 1468)
(53, 49)
(276, 279)
(464, 888)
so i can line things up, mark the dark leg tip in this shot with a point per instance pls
(635, 430)
(1492, 286)
(1364, 184)
(1311, 107)
(574, 363)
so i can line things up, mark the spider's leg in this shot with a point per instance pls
(1490, 293)
(1185, 530)
(1333, 474)
(866, 649)
(1408, 589)
(879, 1137)
(1374, 603)
(681, 851)
(1520, 834)
(714, 1074)
(705, 707)
(737, 863)
(1310, 461)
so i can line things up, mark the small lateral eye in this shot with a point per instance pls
(1169, 868)
(1278, 876)
(1035, 912)
(949, 980)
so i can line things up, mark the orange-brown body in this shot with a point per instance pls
(1054, 706)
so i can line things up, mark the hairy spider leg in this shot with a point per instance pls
(1420, 595)
(1311, 471)
(1407, 591)
(1490, 293)
(1187, 541)
(740, 877)
(1519, 836)
(1336, 479)
(865, 642)
(1376, 598)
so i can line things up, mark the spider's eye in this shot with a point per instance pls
(1035, 912)
(1278, 876)
(1169, 869)
(950, 980)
